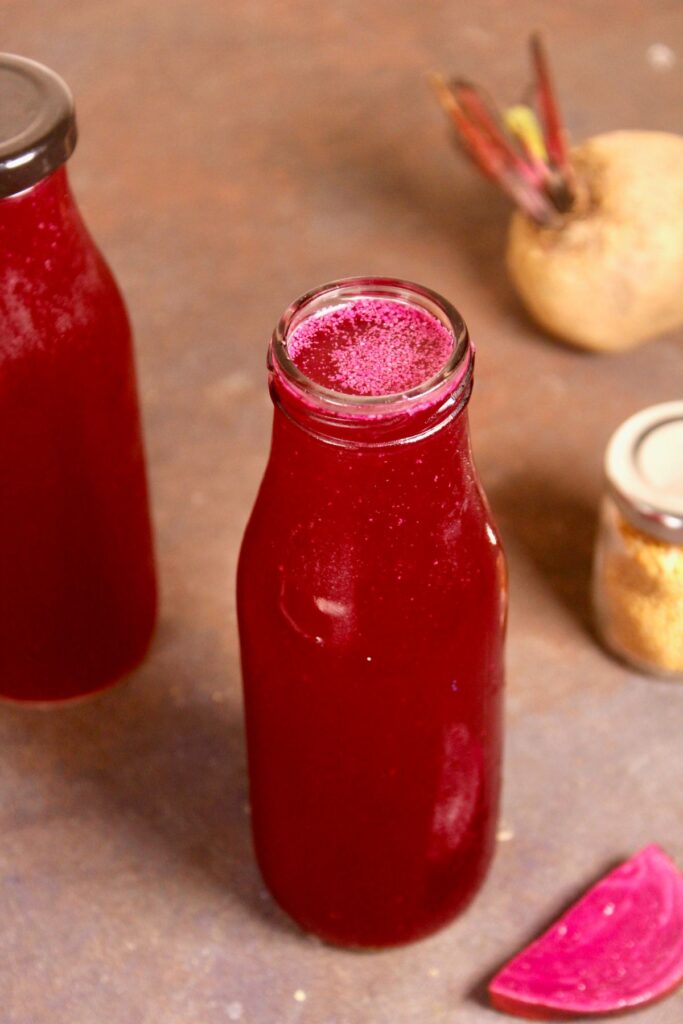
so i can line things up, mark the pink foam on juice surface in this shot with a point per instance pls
(370, 347)
(619, 947)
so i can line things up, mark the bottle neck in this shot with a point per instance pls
(445, 434)
(43, 216)
(53, 274)
(365, 427)
(426, 477)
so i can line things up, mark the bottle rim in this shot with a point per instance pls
(454, 373)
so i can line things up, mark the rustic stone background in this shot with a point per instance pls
(232, 155)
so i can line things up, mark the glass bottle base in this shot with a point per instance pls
(57, 703)
(361, 940)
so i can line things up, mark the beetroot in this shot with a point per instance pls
(619, 947)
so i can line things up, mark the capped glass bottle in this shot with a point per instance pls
(77, 578)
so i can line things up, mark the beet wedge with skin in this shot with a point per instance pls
(619, 947)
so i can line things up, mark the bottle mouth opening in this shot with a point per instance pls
(455, 372)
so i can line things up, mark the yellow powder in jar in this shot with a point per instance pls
(642, 597)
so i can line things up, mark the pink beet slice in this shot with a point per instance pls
(619, 947)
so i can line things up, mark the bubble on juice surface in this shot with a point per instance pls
(370, 347)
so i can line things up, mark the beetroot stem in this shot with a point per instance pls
(553, 129)
(480, 111)
(523, 126)
(492, 152)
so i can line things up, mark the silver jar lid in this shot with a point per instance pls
(644, 470)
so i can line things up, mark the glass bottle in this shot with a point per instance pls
(77, 580)
(372, 604)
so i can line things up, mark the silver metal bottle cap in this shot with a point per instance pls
(37, 123)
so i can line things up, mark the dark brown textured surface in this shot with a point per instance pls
(231, 156)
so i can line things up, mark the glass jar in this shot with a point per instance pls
(372, 606)
(638, 568)
(77, 584)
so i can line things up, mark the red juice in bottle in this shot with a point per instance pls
(371, 604)
(77, 580)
